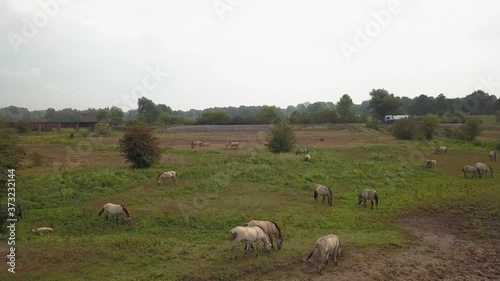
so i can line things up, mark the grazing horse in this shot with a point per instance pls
(368, 194)
(431, 163)
(195, 144)
(248, 235)
(271, 229)
(471, 169)
(323, 191)
(326, 246)
(484, 168)
(232, 144)
(116, 211)
(163, 177)
(493, 155)
(442, 149)
(301, 151)
(307, 157)
(205, 144)
(44, 229)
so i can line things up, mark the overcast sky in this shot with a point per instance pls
(206, 53)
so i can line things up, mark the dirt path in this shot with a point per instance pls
(443, 250)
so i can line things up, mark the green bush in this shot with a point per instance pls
(280, 138)
(11, 154)
(406, 129)
(140, 147)
(429, 125)
(373, 124)
(471, 129)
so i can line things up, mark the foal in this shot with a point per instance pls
(248, 235)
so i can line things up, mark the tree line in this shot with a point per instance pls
(381, 103)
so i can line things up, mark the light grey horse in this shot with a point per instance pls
(471, 169)
(205, 144)
(307, 158)
(271, 228)
(116, 211)
(248, 235)
(323, 191)
(368, 194)
(493, 155)
(195, 144)
(163, 177)
(301, 151)
(431, 163)
(442, 149)
(327, 246)
(484, 168)
(233, 144)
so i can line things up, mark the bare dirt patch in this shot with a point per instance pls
(443, 249)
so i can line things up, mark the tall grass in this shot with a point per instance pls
(182, 230)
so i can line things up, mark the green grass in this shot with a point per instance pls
(488, 119)
(182, 230)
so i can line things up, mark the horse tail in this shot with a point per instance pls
(375, 197)
(158, 179)
(234, 235)
(315, 195)
(126, 211)
(102, 211)
(491, 170)
(330, 191)
(312, 252)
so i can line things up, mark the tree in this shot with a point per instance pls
(147, 108)
(344, 108)
(102, 114)
(140, 147)
(421, 105)
(50, 114)
(280, 138)
(23, 126)
(116, 115)
(382, 103)
(269, 114)
(429, 125)
(213, 118)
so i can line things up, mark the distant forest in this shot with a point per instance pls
(380, 104)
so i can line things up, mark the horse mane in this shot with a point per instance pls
(157, 179)
(329, 190)
(263, 231)
(315, 194)
(279, 230)
(234, 235)
(375, 196)
(102, 211)
(126, 211)
(491, 170)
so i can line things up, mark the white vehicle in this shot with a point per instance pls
(390, 119)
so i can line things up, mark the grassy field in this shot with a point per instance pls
(181, 231)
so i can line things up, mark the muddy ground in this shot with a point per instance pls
(443, 249)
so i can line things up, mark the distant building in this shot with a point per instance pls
(86, 121)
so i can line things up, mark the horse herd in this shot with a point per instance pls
(477, 170)
(198, 143)
(255, 231)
